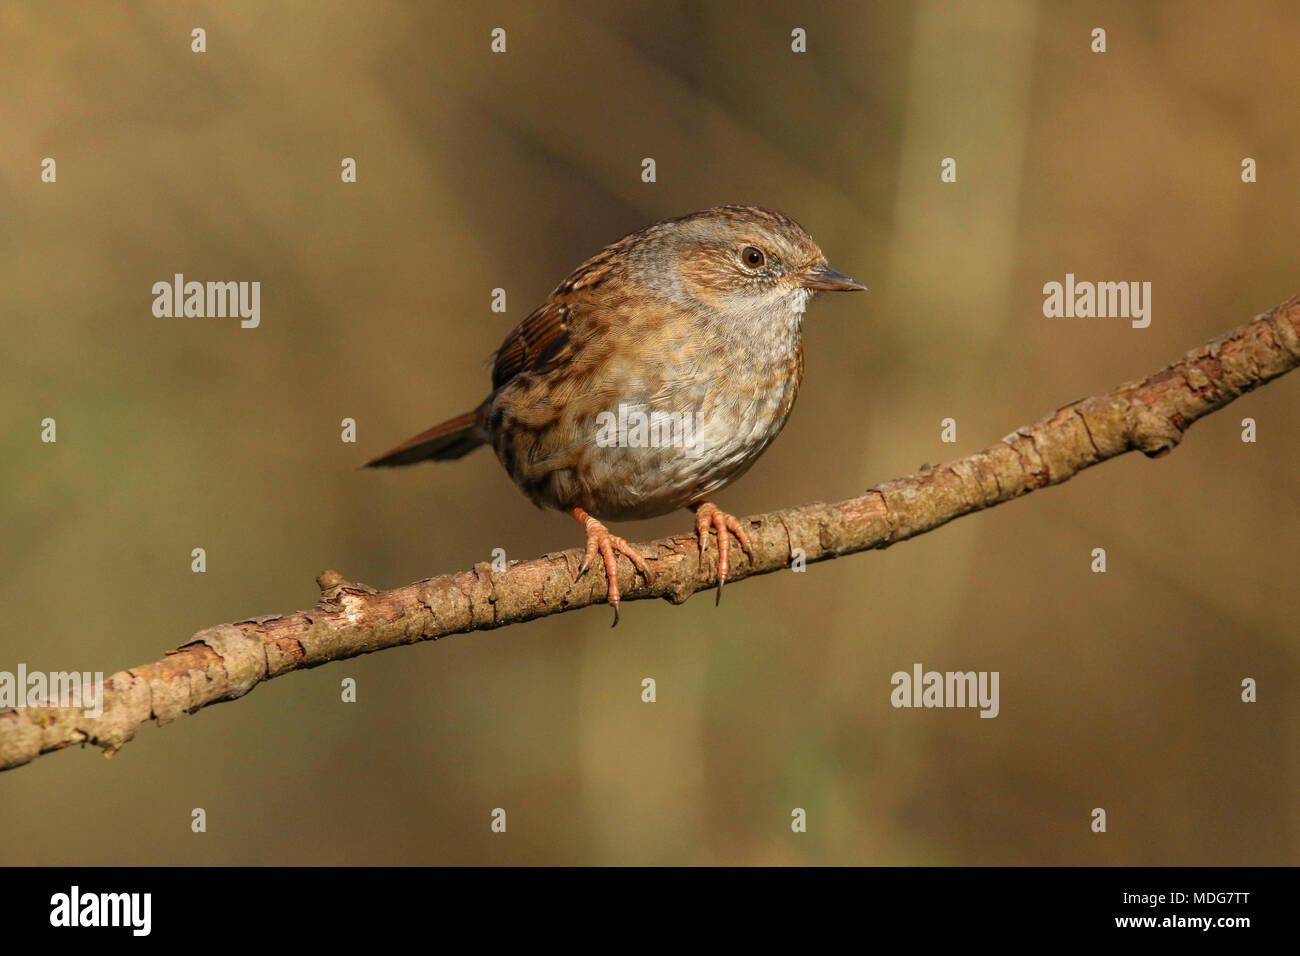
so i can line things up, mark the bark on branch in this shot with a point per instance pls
(227, 661)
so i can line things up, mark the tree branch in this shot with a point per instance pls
(227, 661)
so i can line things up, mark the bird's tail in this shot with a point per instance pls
(454, 438)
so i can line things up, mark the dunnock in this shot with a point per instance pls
(652, 377)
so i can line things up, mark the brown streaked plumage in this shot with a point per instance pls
(652, 377)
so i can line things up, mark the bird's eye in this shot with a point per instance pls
(752, 257)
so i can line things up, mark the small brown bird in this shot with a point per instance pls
(652, 377)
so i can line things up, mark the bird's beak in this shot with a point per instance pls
(825, 278)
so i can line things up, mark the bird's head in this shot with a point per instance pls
(744, 256)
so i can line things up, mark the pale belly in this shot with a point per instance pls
(648, 471)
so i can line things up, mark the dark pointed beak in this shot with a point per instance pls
(824, 278)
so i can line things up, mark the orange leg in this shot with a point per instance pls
(610, 547)
(710, 516)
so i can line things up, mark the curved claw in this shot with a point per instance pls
(709, 516)
(609, 547)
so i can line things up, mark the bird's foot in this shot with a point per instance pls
(609, 546)
(710, 516)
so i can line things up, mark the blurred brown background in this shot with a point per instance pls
(476, 171)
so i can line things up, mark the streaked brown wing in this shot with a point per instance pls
(536, 342)
(576, 310)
